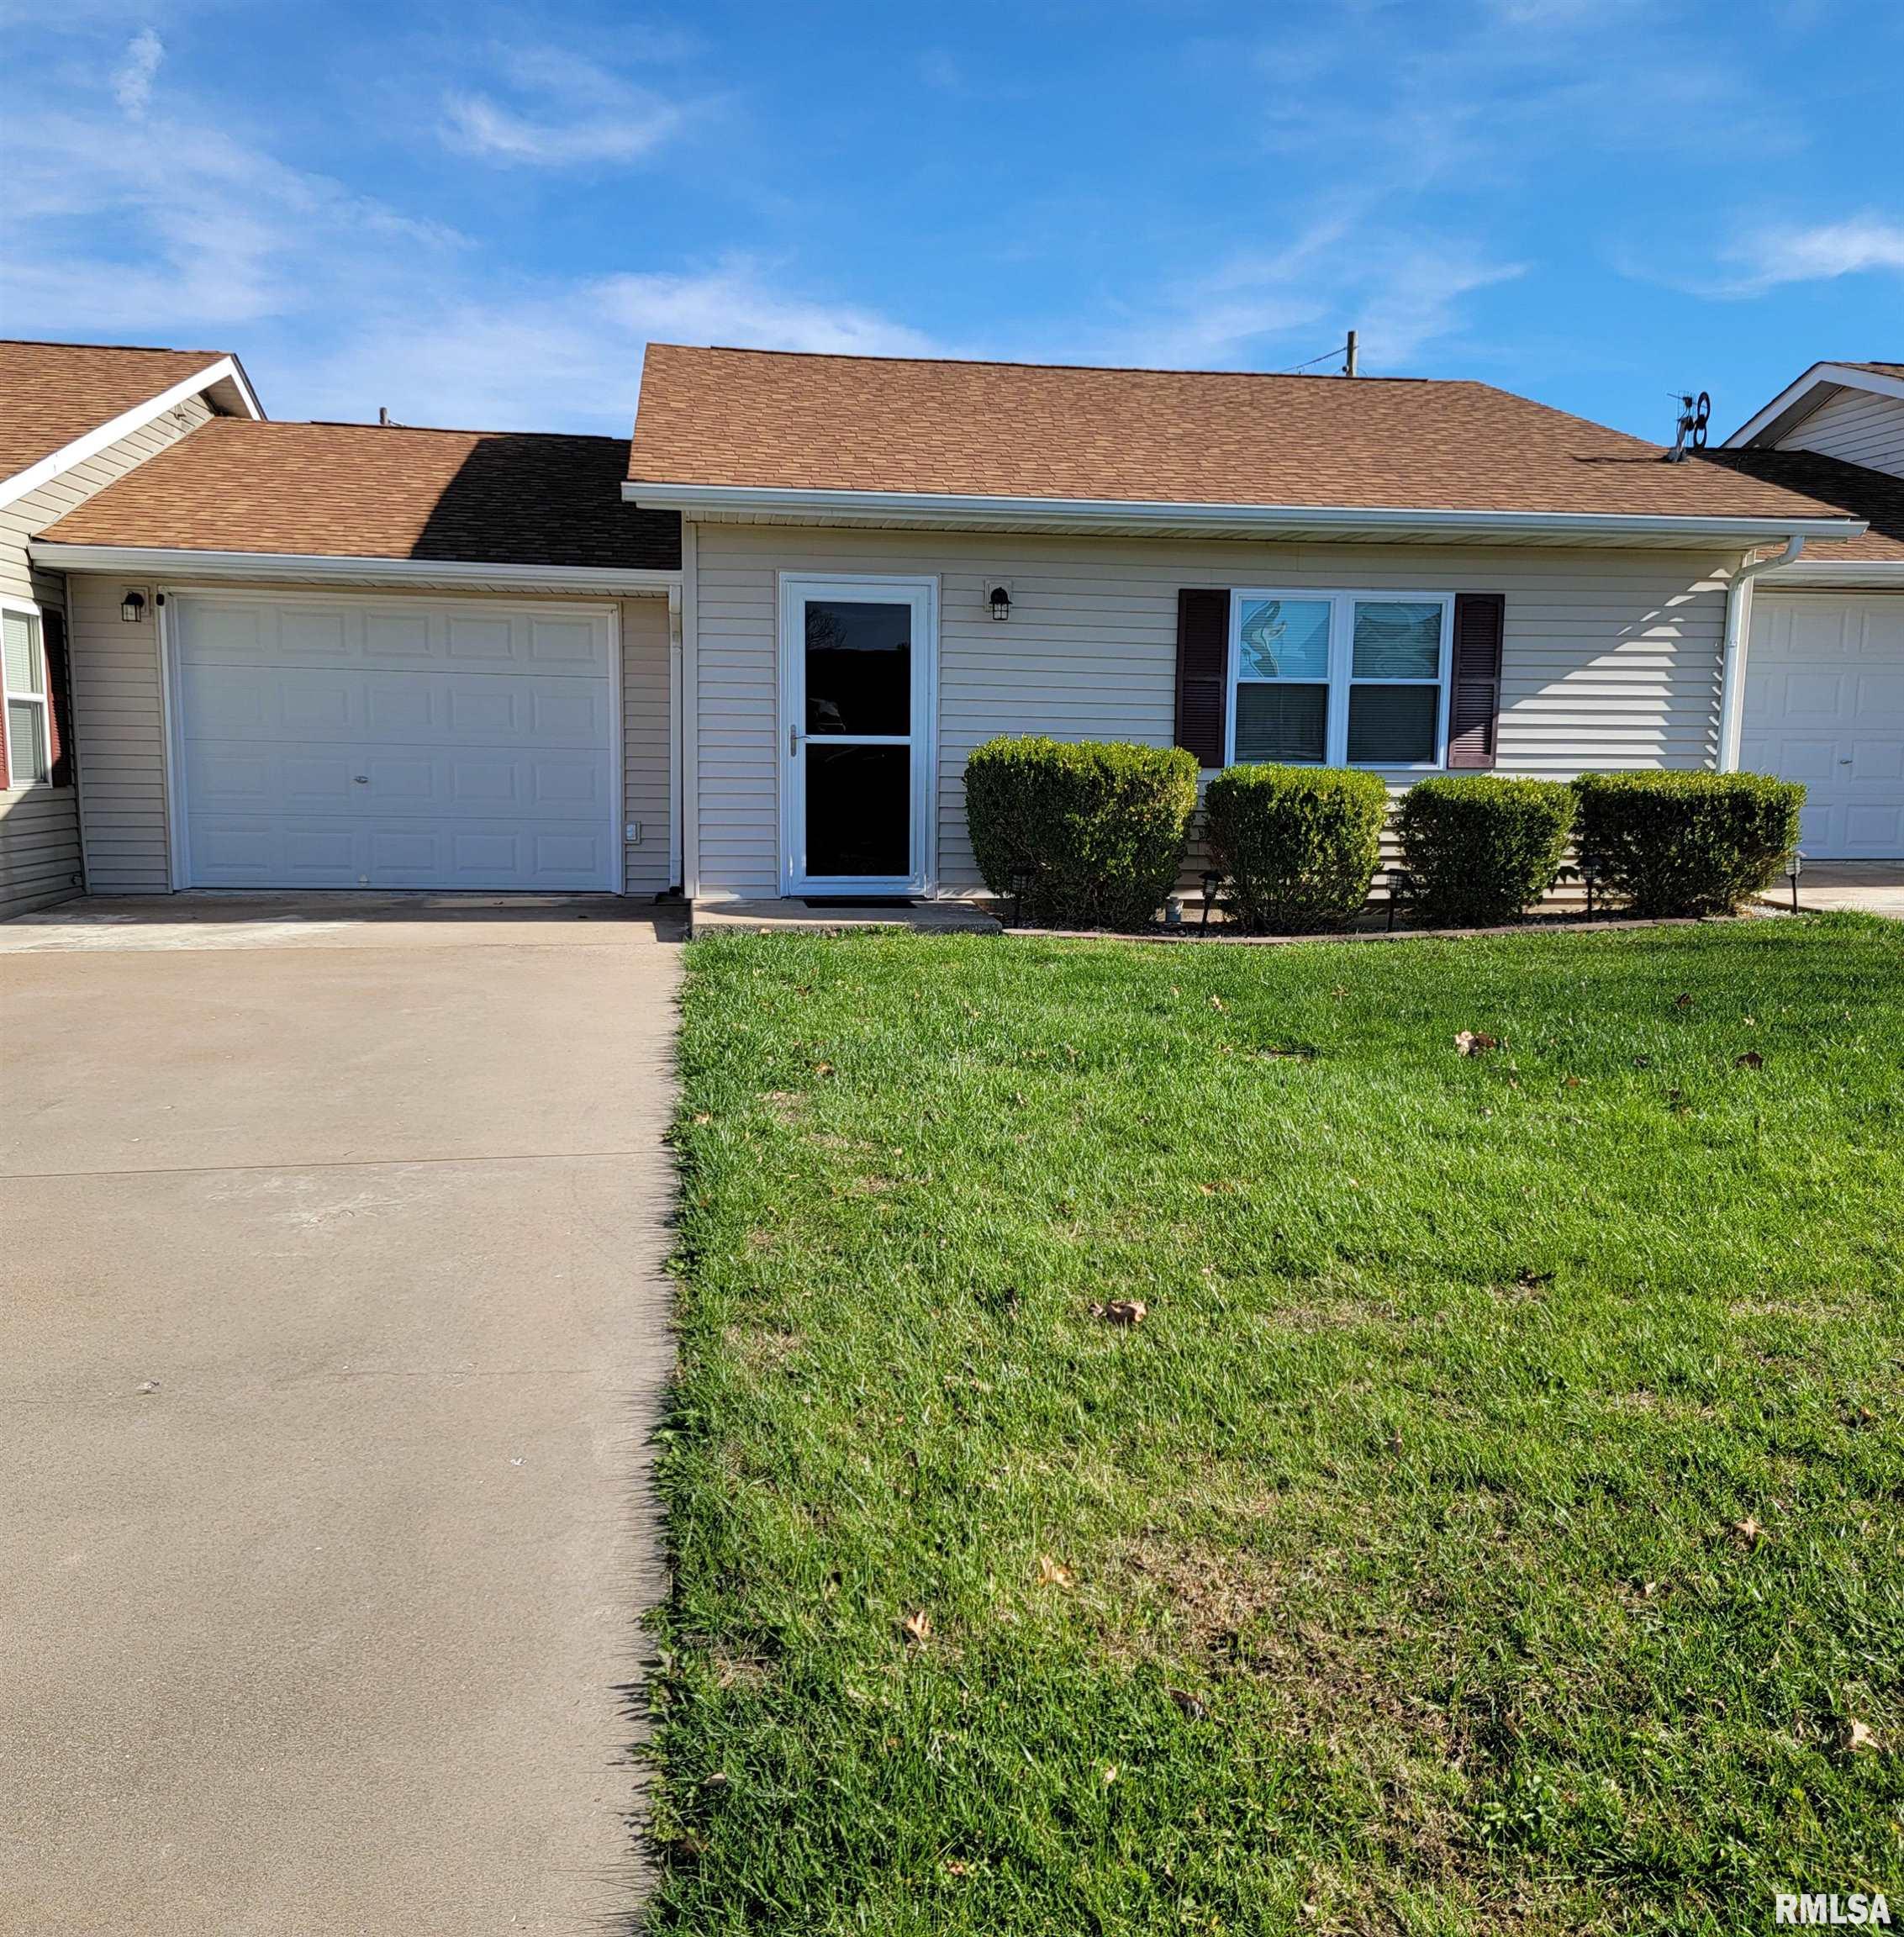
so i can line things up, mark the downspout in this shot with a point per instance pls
(1732, 677)
(676, 776)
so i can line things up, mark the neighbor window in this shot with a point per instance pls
(28, 744)
(1339, 678)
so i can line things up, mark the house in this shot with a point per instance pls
(73, 417)
(747, 653)
(1823, 698)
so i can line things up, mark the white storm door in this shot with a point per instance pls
(857, 661)
(340, 741)
(1824, 703)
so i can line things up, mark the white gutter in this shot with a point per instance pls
(141, 561)
(224, 371)
(931, 507)
(1732, 677)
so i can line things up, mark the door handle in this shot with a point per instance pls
(361, 779)
(794, 739)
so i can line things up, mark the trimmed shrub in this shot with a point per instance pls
(1099, 827)
(1481, 846)
(1297, 845)
(1688, 843)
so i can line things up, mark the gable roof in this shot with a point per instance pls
(1812, 391)
(380, 492)
(60, 401)
(1874, 496)
(766, 425)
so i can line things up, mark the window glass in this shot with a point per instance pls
(1392, 725)
(1397, 641)
(1284, 639)
(21, 630)
(26, 722)
(1282, 721)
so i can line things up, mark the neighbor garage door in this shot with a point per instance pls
(359, 742)
(1824, 703)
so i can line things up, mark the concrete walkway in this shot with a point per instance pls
(332, 1325)
(1866, 887)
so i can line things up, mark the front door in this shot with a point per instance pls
(855, 687)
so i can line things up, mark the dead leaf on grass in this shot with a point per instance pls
(1121, 1311)
(1749, 1530)
(917, 1627)
(1054, 1573)
(1475, 1042)
(1858, 1735)
(1193, 1709)
(1750, 1060)
(1684, 1002)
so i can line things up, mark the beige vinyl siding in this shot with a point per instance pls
(118, 722)
(1856, 427)
(645, 742)
(121, 722)
(1611, 659)
(40, 825)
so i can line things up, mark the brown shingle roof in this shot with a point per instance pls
(51, 393)
(1878, 369)
(367, 491)
(772, 420)
(1873, 495)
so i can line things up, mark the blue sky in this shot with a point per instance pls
(478, 215)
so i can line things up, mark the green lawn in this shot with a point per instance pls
(1496, 1524)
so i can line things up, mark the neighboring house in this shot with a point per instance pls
(748, 654)
(73, 417)
(1824, 685)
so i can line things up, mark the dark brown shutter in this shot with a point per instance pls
(1473, 706)
(58, 699)
(1203, 667)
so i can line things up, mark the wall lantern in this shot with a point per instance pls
(132, 608)
(1000, 600)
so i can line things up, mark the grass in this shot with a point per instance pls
(1494, 1524)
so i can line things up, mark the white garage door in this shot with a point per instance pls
(1824, 703)
(359, 742)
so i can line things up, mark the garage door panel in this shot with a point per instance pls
(1824, 705)
(342, 744)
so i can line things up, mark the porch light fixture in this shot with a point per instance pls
(132, 608)
(1000, 600)
(1211, 882)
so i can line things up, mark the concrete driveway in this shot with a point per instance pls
(332, 1323)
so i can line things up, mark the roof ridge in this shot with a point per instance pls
(140, 348)
(431, 430)
(1025, 363)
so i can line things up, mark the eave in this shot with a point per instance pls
(1797, 401)
(1424, 524)
(184, 566)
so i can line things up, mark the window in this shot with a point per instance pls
(23, 675)
(1339, 678)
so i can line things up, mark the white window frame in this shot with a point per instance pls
(1341, 673)
(44, 697)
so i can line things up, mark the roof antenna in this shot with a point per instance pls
(1351, 357)
(1689, 428)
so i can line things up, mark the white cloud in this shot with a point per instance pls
(1775, 256)
(568, 356)
(132, 83)
(563, 112)
(1402, 291)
